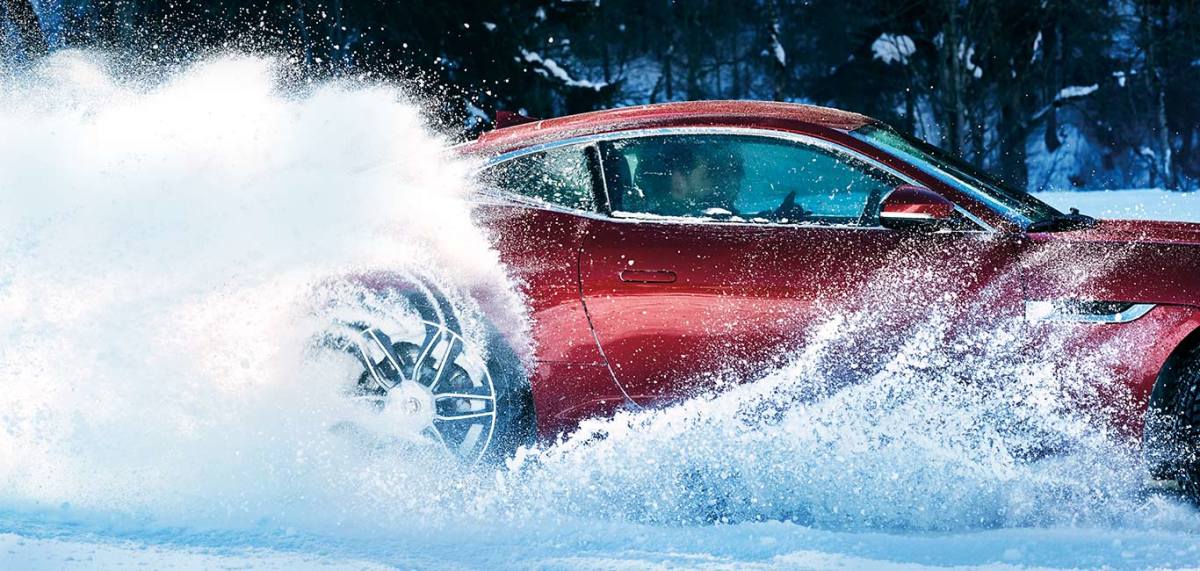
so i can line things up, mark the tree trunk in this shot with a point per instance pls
(1013, 133)
(694, 39)
(1053, 47)
(952, 105)
(1156, 59)
(302, 28)
(1164, 139)
(978, 133)
(736, 80)
(910, 109)
(777, 56)
(1152, 24)
(668, 72)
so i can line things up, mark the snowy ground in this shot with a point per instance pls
(757, 546)
(1135, 204)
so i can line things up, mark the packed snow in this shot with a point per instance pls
(893, 48)
(162, 242)
(1074, 91)
(549, 68)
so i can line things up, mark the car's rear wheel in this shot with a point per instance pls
(432, 383)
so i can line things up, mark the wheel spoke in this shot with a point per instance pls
(385, 344)
(372, 367)
(446, 360)
(437, 434)
(433, 334)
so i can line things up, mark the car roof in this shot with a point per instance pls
(752, 114)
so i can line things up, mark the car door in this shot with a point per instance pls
(774, 235)
(535, 205)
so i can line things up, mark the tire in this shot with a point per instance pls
(1188, 467)
(466, 392)
(1172, 440)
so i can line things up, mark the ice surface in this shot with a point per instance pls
(161, 243)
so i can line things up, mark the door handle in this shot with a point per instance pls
(648, 276)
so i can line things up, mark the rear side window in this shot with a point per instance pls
(557, 176)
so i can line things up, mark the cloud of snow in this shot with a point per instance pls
(948, 424)
(166, 253)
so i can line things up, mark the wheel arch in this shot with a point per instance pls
(1167, 380)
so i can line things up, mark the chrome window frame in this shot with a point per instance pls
(592, 140)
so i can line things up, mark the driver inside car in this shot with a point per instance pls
(691, 179)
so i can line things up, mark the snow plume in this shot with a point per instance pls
(162, 246)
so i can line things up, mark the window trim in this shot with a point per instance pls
(603, 201)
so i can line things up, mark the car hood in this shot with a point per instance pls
(1122, 260)
(1137, 232)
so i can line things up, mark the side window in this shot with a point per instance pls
(741, 178)
(557, 176)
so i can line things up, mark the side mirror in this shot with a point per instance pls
(915, 207)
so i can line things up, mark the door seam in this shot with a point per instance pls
(592, 327)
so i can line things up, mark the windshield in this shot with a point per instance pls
(1014, 204)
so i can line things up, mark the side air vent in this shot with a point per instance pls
(1085, 311)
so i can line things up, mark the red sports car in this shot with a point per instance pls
(665, 248)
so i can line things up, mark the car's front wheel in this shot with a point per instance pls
(1186, 460)
(1173, 426)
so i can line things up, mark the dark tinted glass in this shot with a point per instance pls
(742, 178)
(558, 176)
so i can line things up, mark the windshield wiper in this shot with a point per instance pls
(1063, 222)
